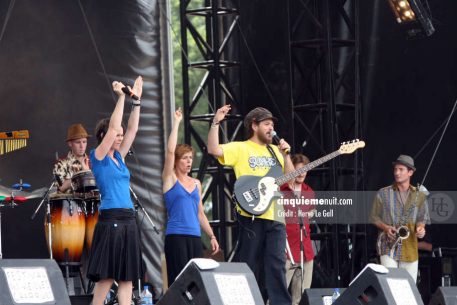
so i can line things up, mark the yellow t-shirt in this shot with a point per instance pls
(250, 158)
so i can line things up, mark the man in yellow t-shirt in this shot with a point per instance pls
(260, 235)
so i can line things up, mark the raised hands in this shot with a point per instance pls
(117, 88)
(178, 115)
(138, 87)
(221, 113)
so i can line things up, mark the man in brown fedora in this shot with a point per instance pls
(400, 212)
(76, 159)
(261, 237)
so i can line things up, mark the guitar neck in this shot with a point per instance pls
(292, 175)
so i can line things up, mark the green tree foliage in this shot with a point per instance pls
(193, 55)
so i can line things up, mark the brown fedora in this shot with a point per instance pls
(76, 131)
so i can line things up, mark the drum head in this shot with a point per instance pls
(83, 181)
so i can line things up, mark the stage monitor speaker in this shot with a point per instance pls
(316, 296)
(32, 281)
(377, 285)
(228, 283)
(444, 296)
(81, 299)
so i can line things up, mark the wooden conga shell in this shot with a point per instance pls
(91, 220)
(68, 224)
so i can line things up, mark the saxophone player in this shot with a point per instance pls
(400, 212)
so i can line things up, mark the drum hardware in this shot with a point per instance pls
(48, 215)
(10, 198)
(84, 207)
(70, 209)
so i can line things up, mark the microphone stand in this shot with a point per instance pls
(144, 211)
(137, 200)
(48, 216)
(300, 222)
(42, 200)
(289, 252)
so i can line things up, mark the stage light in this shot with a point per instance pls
(412, 15)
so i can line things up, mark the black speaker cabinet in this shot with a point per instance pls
(81, 299)
(374, 288)
(315, 296)
(32, 281)
(230, 283)
(444, 296)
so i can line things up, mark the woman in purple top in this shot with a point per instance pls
(115, 252)
(182, 195)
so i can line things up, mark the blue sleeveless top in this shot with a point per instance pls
(113, 181)
(182, 209)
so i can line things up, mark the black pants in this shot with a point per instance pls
(265, 239)
(179, 250)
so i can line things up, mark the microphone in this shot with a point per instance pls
(277, 139)
(127, 91)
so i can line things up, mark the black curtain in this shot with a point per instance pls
(410, 87)
(58, 59)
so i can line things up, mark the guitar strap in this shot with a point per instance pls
(272, 152)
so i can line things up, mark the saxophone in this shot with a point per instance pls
(402, 233)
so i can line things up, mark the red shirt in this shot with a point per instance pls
(293, 227)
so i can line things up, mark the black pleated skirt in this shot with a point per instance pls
(116, 248)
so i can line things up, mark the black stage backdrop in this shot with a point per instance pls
(408, 88)
(58, 59)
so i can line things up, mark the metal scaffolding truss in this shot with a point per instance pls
(326, 111)
(208, 33)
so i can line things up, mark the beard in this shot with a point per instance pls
(264, 138)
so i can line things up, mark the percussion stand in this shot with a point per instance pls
(302, 250)
(48, 215)
(2, 204)
(1, 252)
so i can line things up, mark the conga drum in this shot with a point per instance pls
(68, 224)
(92, 203)
(83, 181)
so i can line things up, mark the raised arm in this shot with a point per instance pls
(115, 126)
(134, 119)
(213, 135)
(168, 175)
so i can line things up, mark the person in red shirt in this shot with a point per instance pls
(298, 188)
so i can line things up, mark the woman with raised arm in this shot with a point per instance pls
(183, 200)
(115, 253)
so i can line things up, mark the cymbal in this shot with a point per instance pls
(16, 199)
(38, 193)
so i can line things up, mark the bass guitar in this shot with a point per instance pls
(255, 194)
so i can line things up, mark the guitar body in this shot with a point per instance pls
(254, 194)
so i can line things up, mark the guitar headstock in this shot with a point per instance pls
(351, 146)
